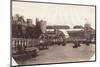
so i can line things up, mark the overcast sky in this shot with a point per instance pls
(56, 14)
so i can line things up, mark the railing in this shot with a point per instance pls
(22, 42)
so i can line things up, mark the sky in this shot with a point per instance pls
(56, 14)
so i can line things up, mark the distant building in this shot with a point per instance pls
(89, 31)
(41, 25)
(78, 27)
(29, 22)
(58, 27)
(19, 26)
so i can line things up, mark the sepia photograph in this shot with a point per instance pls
(52, 33)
